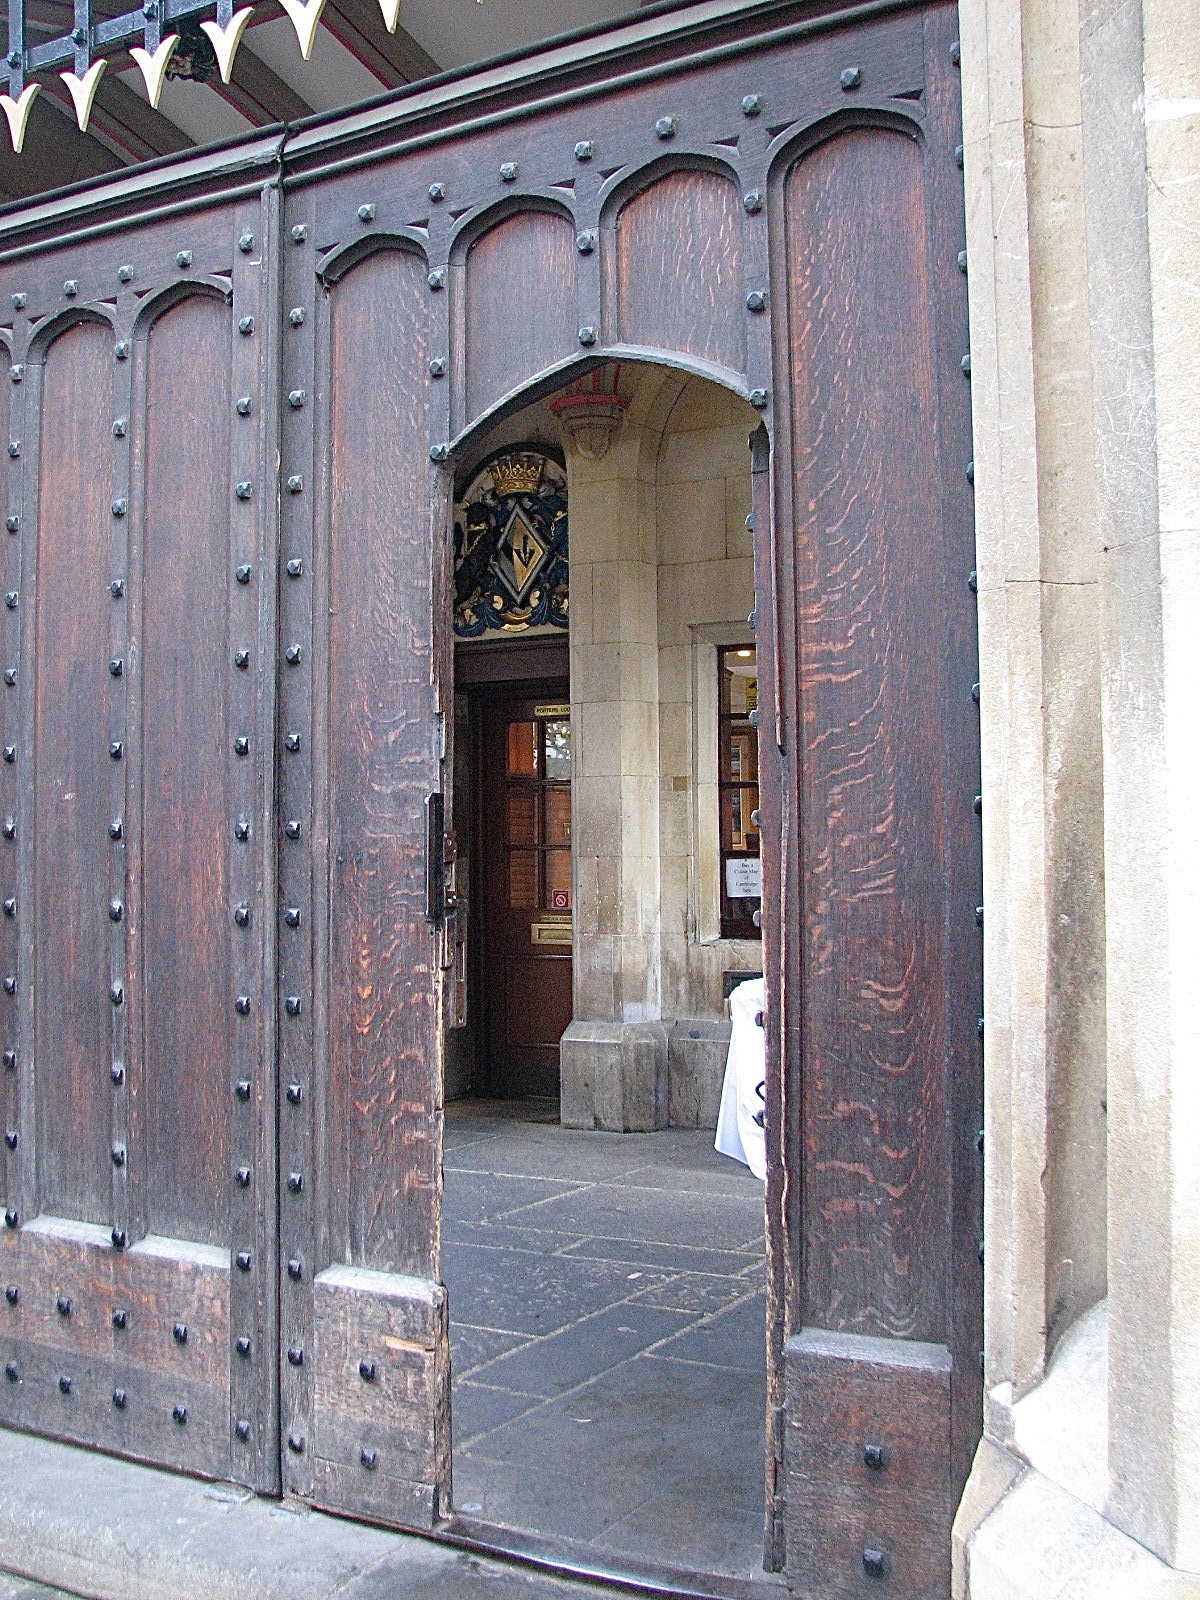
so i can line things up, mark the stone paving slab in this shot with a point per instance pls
(111, 1530)
(626, 1415)
(12, 1588)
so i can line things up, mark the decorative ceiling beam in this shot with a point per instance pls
(394, 58)
(123, 122)
(56, 153)
(258, 93)
(94, 35)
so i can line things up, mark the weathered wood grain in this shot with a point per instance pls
(144, 1428)
(848, 1395)
(396, 1407)
(521, 305)
(71, 1015)
(946, 229)
(110, 1320)
(679, 268)
(872, 689)
(187, 1003)
(159, 1285)
(384, 1049)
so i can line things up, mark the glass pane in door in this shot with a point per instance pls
(558, 816)
(522, 817)
(558, 748)
(523, 880)
(522, 749)
(558, 880)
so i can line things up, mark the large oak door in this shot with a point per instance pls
(139, 1251)
(525, 865)
(240, 388)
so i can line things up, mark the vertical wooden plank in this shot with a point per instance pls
(384, 1043)
(771, 833)
(872, 689)
(946, 229)
(521, 305)
(14, 789)
(187, 1003)
(255, 1299)
(71, 1028)
(299, 866)
(679, 268)
(123, 728)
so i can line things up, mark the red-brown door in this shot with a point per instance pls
(525, 841)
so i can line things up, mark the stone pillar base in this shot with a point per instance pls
(1037, 1542)
(614, 1076)
(698, 1050)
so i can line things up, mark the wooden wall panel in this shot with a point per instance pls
(679, 268)
(872, 692)
(71, 1018)
(522, 311)
(384, 1048)
(186, 578)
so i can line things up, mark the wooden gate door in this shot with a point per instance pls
(138, 934)
(770, 198)
(239, 386)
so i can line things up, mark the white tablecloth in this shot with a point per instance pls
(739, 1126)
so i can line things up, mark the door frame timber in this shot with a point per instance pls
(573, 131)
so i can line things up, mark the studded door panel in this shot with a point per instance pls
(138, 1255)
(360, 1123)
(433, 273)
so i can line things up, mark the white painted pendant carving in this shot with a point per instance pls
(226, 40)
(17, 112)
(304, 20)
(83, 90)
(154, 67)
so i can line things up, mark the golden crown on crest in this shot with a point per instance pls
(518, 474)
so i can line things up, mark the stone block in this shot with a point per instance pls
(1039, 1540)
(697, 1049)
(614, 1076)
(739, 541)
(993, 1473)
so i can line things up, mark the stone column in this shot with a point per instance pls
(614, 1054)
(1083, 179)
(1039, 696)
(1148, 205)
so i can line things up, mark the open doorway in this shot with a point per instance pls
(606, 1267)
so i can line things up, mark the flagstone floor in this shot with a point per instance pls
(608, 1318)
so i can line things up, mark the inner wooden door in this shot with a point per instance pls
(525, 841)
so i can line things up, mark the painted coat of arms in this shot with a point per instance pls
(511, 557)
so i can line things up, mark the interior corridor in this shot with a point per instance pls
(607, 1309)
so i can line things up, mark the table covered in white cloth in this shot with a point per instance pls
(739, 1122)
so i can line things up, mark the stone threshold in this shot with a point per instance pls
(109, 1529)
(569, 1557)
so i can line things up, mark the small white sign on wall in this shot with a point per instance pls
(743, 878)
